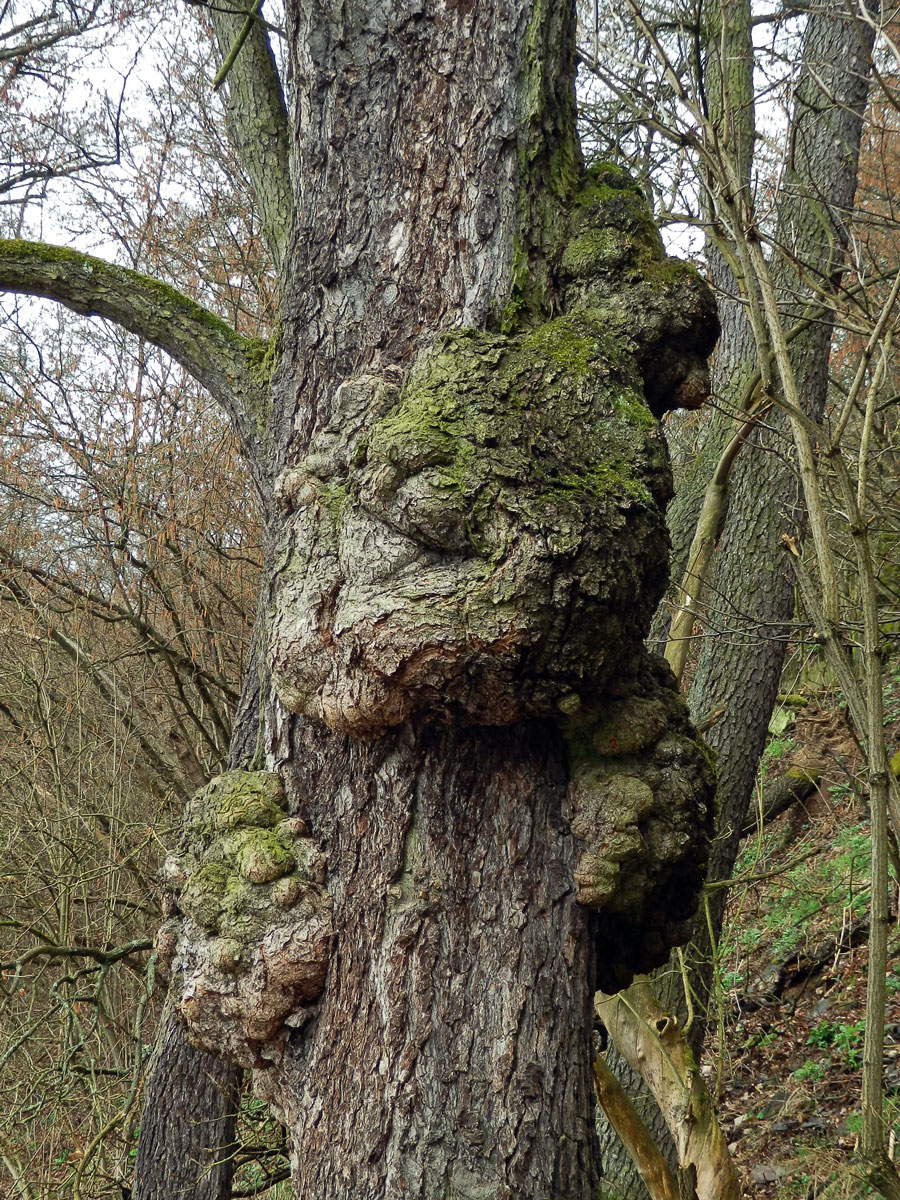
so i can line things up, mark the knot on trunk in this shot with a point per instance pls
(641, 800)
(483, 537)
(659, 309)
(249, 944)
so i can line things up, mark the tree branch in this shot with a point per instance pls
(109, 690)
(105, 957)
(201, 342)
(235, 50)
(649, 1160)
(257, 119)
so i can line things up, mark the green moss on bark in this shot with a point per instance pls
(239, 798)
(466, 411)
(235, 841)
(489, 533)
(550, 163)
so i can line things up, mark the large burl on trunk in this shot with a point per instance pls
(480, 798)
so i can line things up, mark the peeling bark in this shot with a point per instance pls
(651, 1041)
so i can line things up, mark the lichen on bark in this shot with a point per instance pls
(483, 535)
(248, 938)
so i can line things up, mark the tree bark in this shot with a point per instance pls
(191, 1098)
(482, 798)
(451, 1053)
(186, 1147)
(257, 122)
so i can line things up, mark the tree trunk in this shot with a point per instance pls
(483, 798)
(186, 1146)
(450, 1050)
(738, 674)
(741, 672)
(189, 1120)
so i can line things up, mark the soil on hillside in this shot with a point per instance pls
(794, 962)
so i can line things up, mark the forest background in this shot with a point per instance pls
(130, 544)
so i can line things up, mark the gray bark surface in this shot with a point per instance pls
(396, 111)
(400, 923)
(460, 1018)
(186, 1146)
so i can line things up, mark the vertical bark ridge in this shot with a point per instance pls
(425, 133)
(459, 998)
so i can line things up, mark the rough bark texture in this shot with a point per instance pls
(469, 534)
(251, 944)
(187, 1128)
(464, 728)
(459, 1019)
(751, 598)
(451, 546)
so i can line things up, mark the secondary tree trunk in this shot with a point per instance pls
(741, 671)
(751, 595)
(186, 1146)
(189, 1119)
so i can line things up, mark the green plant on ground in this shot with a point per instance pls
(777, 748)
(822, 1035)
(846, 1039)
(853, 1123)
(812, 1071)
